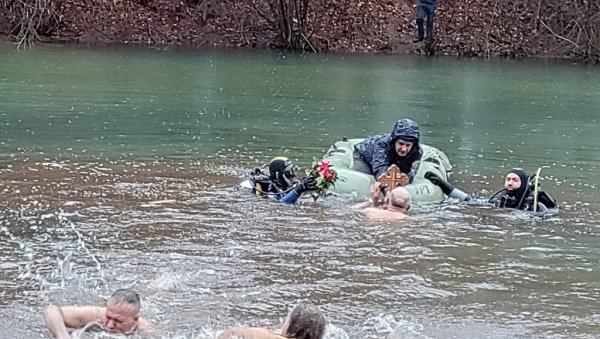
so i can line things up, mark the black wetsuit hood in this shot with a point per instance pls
(513, 198)
(522, 190)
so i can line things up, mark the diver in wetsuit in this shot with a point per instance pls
(278, 180)
(518, 193)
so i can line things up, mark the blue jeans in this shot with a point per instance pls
(422, 12)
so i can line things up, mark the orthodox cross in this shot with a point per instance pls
(394, 178)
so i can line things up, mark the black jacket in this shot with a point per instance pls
(379, 150)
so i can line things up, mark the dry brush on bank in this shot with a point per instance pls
(522, 28)
(481, 28)
(571, 27)
(289, 20)
(28, 19)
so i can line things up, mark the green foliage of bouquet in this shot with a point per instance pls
(325, 176)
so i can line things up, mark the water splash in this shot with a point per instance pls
(386, 324)
(66, 268)
(334, 332)
(63, 218)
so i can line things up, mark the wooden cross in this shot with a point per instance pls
(394, 178)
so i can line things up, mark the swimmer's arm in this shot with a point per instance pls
(230, 333)
(362, 205)
(248, 333)
(370, 212)
(373, 200)
(234, 332)
(58, 319)
(146, 326)
(376, 190)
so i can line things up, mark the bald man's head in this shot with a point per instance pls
(399, 198)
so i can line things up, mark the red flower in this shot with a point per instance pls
(329, 175)
(322, 169)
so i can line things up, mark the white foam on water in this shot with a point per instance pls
(335, 332)
(386, 325)
(65, 268)
(205, 332)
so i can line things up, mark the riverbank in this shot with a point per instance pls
(470, 28)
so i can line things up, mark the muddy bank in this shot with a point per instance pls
(480, 28)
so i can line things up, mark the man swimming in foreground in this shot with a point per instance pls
(395, 204)
(120, 315)
(305, 321)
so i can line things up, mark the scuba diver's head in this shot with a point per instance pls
(516, 185)
(516, 180)
(405, 137)
(282, 172)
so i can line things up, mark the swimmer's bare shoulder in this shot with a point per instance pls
(79, 316)
(241, 332)
(374, 213)
(145, 326)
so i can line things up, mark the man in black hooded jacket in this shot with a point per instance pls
(518, 192)
(376, 154)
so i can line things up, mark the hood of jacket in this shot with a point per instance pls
(406, 129)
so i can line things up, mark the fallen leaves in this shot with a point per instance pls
(482, 28)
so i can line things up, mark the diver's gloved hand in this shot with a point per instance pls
(441, 183)
(448, 189)
(307, 184)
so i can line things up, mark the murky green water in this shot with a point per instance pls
(88, 137)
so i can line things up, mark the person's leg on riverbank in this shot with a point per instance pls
(421, 11)
(430, 19)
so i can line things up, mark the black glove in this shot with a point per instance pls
(307, 184)
(441, 183)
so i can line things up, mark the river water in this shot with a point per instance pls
(89, 137)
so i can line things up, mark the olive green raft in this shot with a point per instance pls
(359, 184)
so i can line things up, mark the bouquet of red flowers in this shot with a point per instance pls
(325, 176)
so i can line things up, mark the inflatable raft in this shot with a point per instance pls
(359, 184)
